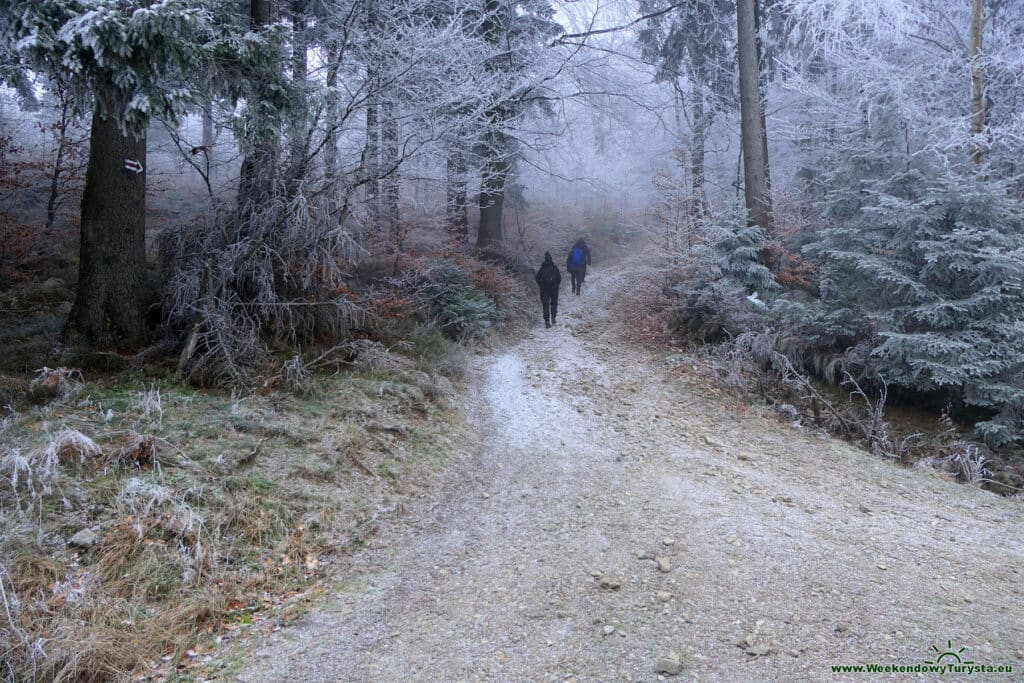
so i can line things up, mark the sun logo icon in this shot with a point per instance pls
(948, 652)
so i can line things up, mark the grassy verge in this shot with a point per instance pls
(143, 521)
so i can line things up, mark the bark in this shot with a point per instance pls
(697, 142)
(496, 164)
(208, 123)
(260, 12)
(492, 192)
(371, 162)
(331, 146)
(333, 113)
(255, 180)
(301, 135)
(697, 154)
(389, 163)
(754, 138)
(300, 37)
(109, 308)
(458, 217)
(207, 143)
(371, 151)
(979, 110)
(63, 123)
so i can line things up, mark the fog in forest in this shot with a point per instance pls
(266, 265)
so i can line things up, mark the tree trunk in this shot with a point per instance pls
(207, 123)
(331, 146)
(753, 136)
(458, 218)
(333, 113)
(371, 151)
(390, 163)
(302, 131)
(63, 123)
(256, 178)
(207, 142)
(371, 162)
(495, 165)
(698, 138)
(109, 309)
(979, 113)
(260, 13)
(492, 192)
(300, 38)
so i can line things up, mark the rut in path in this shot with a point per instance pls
(786, 552)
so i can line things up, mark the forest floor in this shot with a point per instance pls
(609, 518)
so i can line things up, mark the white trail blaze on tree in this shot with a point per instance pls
(110, 300)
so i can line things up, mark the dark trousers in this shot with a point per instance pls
(577, 279)
(549, 301)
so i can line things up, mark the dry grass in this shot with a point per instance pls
(56, 384)
(70, 448)
(199, 502)
(195, 512)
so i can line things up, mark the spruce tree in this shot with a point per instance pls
(922, 281)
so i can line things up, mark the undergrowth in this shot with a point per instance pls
(732, 345)
(154, 504)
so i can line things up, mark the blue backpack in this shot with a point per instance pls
(576, 258)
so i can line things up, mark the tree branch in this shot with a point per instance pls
(615, 29)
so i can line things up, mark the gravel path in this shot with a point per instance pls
(781, 552)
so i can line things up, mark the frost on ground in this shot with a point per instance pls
(612, 521)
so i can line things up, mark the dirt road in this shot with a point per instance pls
(781, 552)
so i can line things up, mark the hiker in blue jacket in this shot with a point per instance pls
(576, 263)
(549, 280)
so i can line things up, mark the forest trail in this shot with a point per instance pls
(783, 552)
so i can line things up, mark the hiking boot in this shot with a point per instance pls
(547, 324)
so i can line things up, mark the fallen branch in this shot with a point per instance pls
(791, 375)
(355, 461)
(251, 457)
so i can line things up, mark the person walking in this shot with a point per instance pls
(576, 263)
(549, 279)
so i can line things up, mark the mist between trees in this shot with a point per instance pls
(226, 166)
(302, 199)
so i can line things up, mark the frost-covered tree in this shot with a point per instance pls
(515, 30)
(128, 63)
(693, 49)
(952, 72)
(921, 279)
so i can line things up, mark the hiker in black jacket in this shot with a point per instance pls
(576, 263)
(549, 279)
